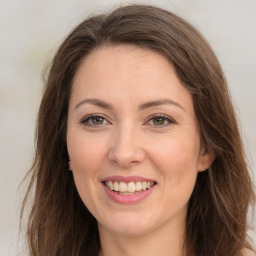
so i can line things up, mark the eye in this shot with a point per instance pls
(160, 120)
(94, 120)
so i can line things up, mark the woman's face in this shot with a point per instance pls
(133, 140)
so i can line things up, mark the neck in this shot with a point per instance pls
(162, 242)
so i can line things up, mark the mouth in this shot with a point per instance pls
(128, 188)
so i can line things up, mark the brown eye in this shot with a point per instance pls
(94, 120)
(97, 120)
(160, 121)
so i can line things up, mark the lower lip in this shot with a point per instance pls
(128, 199)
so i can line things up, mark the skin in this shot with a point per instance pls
(128, 141)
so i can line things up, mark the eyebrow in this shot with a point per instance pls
(95, 102)
(103, 104)
(160, 102)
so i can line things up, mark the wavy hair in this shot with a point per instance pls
(59, 223)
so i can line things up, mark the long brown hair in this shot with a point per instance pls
(59, 223)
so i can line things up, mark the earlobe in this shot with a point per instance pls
(69, 165)
(206, 159)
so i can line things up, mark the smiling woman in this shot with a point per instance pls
(138, 149)
(141, 151)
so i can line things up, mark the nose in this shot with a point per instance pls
(126, 148)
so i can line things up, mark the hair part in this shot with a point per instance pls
(59, 222)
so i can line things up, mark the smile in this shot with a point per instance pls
(129, 188)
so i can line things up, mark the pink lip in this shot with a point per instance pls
(127, 199)
(126, 179)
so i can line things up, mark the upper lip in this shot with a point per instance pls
(126, 179)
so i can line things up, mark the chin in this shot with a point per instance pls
(129, 224)
(130, 230)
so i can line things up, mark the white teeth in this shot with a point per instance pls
(130, 188)
(144, 185)
(111, 185)
(122, 187)
(138, 186)
(116, 186)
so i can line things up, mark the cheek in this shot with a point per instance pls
(85, 153)
(176, 161)
(86, 159)
(177, 156)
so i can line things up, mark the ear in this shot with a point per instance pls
(206, 158)
(69, 165)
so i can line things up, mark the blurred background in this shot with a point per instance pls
(31, 31)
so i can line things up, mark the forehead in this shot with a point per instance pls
(128, 59)
(122, 73)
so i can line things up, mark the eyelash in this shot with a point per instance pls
(163, 117)
(87, 119)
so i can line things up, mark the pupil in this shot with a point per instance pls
(97, 120)
(159, 121)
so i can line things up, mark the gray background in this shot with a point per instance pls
(30, 32)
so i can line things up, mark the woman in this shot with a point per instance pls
(138, 148)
